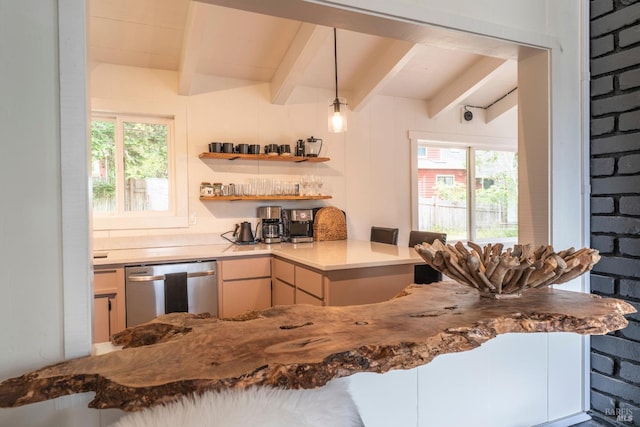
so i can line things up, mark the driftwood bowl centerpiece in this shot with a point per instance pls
(505, 274)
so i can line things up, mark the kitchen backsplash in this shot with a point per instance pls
(155, 241)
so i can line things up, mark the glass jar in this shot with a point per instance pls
(206, 189)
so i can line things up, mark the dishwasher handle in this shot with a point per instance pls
(147, 278)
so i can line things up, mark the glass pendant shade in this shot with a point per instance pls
(337, 115)
(337, 106)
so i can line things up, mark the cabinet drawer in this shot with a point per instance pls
(310, 281)
(304, 298)
(244, 295)
(105, 281)
(246, 268)
(283, 293)
(283, 270)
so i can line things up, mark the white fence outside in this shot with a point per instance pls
(442, 215)
(150, 194)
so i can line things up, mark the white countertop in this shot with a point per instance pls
(324, 256)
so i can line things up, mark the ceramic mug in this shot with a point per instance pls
(254, 149)
(242, 148)
(285, 150)
(271, 149)
(215, 147)
(227, 147)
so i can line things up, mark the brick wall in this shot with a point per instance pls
(615, 203)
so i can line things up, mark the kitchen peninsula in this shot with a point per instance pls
(255, 277)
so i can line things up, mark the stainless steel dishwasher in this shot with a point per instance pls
(152, 290)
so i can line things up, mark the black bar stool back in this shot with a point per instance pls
(424, 273)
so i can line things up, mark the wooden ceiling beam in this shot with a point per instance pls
(464, 85)
(501, 107)
(386, 65)
(191, 46)
(301, 53)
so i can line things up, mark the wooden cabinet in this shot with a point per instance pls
(294, 284)
(367, 285)
(244, 285)
(108, 303)
(354, 286)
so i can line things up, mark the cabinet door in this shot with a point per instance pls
(304, 298)
(101, 319)
(111, 281)
(239, 296)
(283, 293)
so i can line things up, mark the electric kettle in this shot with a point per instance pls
(243, 233)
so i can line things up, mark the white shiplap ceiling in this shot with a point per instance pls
(200, 40)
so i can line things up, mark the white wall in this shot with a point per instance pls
(31, 311)
(30, 249)
(36, 270)
(378, 140)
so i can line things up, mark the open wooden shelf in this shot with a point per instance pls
(236, 156)
(235, 198)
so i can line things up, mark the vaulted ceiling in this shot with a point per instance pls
(204, 41)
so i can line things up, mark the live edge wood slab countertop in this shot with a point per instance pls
(304, 346)
(323, 256)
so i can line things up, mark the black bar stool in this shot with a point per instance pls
(423, 273)
(384, 235)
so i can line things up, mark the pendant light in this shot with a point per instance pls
(338, 106)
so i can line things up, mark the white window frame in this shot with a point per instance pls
(476, 142)
(177, 215)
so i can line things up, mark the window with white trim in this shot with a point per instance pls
(467, 192)
(133, 171)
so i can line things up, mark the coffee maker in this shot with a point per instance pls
(270, 225)
(298, 225)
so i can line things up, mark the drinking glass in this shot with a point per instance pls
(250, 187)
(261, 189)
(278, 189)
(305, 183)
(317, 185)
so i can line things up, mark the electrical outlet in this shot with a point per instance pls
(193, 218)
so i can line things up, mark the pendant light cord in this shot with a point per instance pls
(335, 59)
